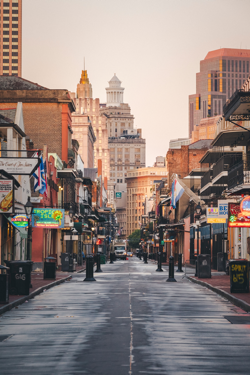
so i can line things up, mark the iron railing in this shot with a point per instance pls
(206, 178)
(238, 175)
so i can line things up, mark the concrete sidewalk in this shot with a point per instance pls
(38, 286)
(220, 284)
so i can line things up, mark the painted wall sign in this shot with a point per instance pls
(19, 166)
(239, 213)
(51, 218)
(6, 197)
(20, 221)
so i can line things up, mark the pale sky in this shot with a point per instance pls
(153, 46)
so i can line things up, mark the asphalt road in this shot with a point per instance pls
(130, 321)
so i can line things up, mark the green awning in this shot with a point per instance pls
(23, 231)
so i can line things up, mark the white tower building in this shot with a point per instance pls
(114, 93)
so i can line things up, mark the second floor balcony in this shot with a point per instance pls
(239, 177)
(222, 166)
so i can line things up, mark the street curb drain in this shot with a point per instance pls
(236, 301)
(36, 292)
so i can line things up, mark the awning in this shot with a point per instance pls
(23, 231)
(230, 137)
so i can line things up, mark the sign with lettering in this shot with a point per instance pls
(118, 195)
(239, 214)
(239, 276)
(20, 221)
(50, 218)
(223, 209)
(213, 216)
(6, 196)
(19, 166)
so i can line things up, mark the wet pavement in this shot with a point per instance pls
(130, 321)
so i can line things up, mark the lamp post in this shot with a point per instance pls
(28, 210)
(198, 214)
(71, 215)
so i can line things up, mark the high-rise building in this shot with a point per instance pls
(11, 37)
(222, 72)
(86, 105)
(126, 146)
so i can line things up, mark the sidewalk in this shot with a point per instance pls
(38, 286)
(221, 284)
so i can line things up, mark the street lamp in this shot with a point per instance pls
(28, 210)
(71, 215)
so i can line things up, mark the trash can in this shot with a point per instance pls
(220, 262)
(49, 271)
(65, 262)
(20, 276)
(204, 266)
(4, 286)
(239, 276)
(103, 259)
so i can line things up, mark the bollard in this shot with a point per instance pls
(111, 258)
(196, 268)
(146, 258)
(171, 270)
(89, 268)
(159, 269)
(70, 263)
(179, 263)
(98, 263)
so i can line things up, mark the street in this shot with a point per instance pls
(130, 321)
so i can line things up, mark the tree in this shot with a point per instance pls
(134, 239)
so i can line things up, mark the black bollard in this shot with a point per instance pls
(98, 263)
(159, 269)
(196, 268)
(171, 270)
(146, 258)
(179, 263)
(111, 258)
(89, 268)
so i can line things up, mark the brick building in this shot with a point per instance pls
(183, 160)
(46, 113)
(11, 37)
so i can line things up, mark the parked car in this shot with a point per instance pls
(129, 254)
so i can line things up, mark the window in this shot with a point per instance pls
(14, 53)
(5, 61)
(6, 47)
(14, 32)
(5, 68)
(239, 66)
(6, 4)
(228, 65)
(232, 64)
(6, 18)
(6, 39)
(15, 5)
(14, 26)
(5, 53)
(6, 11)
(6, 25)
(236, 66)
(5, 32)
(247, 66)
(14, 18)
(14, 11)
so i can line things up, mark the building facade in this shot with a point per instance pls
(140, 186)
(221, 73)
(11, 37)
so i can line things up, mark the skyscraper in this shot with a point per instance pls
(222, 72)
(11, 37)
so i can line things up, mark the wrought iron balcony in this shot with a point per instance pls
(66, 207)
(238, 175)
(220, 169)
(206, 179)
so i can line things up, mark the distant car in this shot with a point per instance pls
(129, 254)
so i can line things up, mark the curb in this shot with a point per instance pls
(235, 301)
(36, 292)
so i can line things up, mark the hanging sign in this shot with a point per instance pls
(239, 213)
(118, 195)
(19, 166)
(51, 218)
(6, 197)
(213, 216)
(20, 221)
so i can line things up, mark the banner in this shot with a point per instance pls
(50, 218)
(6, 197)
(177, 191)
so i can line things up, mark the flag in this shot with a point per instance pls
(37, 175)
(177, 191)
(43, 189)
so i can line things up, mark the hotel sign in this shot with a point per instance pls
(19, 166)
